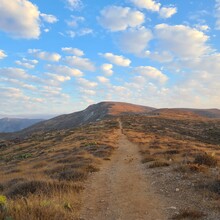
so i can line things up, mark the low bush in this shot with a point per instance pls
(188, 214)
(159, 164)
(205, 159)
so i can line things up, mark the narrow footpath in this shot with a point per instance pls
(121, 190)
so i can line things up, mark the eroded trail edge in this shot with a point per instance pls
(121, 189)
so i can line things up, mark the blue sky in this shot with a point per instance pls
(61, 56)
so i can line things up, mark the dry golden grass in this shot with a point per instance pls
(42, 176)
(190, 147)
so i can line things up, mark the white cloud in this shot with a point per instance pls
(167, 12)
(29, 64)
(107, 69)
(84, 31)
(20, 19)
(202, 27)
(162, 56)
(2, 54)
(80, 63)
(217, 14)
(135, 40)
(71, 34)
(86, 83)
(116, 18)
(74, 21)
(46, 30)
(79, 33)
(147, 4)
(187, 43)
(58, 78)
(14, 73)
(49, 18)
(117, 60)
(75, 51)
(151, 5)
(152, 73)
(89, 92)
(64, 70)
(43, 55)
(74, 4)
(102, 79)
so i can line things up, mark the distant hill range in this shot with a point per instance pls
(187, 113)
(16, 124)
(104, 110)
(93, 113)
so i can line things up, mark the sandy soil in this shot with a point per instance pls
(121, 191)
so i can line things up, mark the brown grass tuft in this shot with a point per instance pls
(189, 214)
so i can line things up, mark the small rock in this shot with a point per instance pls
(177, 189)
(172, 207)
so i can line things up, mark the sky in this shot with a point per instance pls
(59, 56)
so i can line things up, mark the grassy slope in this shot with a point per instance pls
(42, 176)
(182, 153)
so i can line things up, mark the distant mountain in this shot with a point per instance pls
(105, 110)
(93, 113)
(186, 113)
(16, 124)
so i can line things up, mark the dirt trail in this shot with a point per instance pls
(121, 191)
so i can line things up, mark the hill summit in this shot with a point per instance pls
(92, 113)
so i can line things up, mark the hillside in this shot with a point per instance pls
(105, 110)
(93, 113)
(88, 172)
(16, 124)
(187, 113)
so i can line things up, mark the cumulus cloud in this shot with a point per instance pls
(217, 14)
(15, 73)
(151, 5)
(84, 31)
(29, 64)
(74, 21)
(79, 33)
(162, 56)
(49, 18)
(20, 19)
(147, 4)
(135, 40)
(75, 51)
(2, 54)
(202, 27)
(74, 4)
(116, 18)
(102, 79)
(117, 60)
(167, 12)
(86, 83)
(80, 63)
(107, 69)
(152, 73)
(64, 70)
(87, 92)
(187, 43)
(58, 78)
(43, 55)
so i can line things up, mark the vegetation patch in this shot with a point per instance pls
(24, 189)
(189, 214)
(206, 159)
(159, 164)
